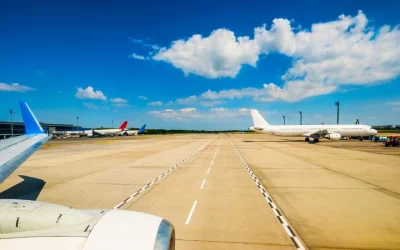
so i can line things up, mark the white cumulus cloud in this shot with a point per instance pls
(187, 114)
(14, 87)
(139, 57)
(119, 102)
(89, 93)
(188, 110)
(219, 55)
(218, 109)
(140, 41)
(90, 105)
(171, 114)
(345, 51)
(156, 103)
(213, 98)
(142, 97)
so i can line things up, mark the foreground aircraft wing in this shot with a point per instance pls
(26, 224)
(39, 225)
(14, 151)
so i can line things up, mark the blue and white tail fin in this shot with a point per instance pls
(258, 120)
(14, 151)
(141, 130)
(32, 126)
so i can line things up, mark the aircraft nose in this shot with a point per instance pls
(375, 131)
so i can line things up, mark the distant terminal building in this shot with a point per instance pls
(386, 127)
(19, 128)
(383, 127)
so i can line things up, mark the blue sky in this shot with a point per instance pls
(200, 65)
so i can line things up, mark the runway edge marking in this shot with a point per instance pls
(161, 176)
(298, 244)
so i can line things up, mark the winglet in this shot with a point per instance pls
(32, 126)
(123, 126)
(141, 130)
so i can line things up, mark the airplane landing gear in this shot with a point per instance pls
(307, 139)
(361, 139)
(316, 140)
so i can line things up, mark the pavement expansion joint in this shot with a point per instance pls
(298, 244)
(119, 205)
(233, 242)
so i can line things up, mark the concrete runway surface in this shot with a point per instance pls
(228, 191)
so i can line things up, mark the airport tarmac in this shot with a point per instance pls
(316, 196)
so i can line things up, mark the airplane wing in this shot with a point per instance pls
(317, 134)
(29, 224)
(14, 151)
(99, 132)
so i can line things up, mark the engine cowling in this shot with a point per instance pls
(48, 226)
(333, 136)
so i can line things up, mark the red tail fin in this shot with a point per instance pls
(123, 126)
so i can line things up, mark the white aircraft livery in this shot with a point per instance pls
(26, 224)
(104, 132)
(333, 132)
(133, 132)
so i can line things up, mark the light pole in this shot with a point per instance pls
(284, 120)
(77, 123)
(301, 118)
(12, 129)
(337, 113)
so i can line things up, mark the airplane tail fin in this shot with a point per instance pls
(123, 126)
(141, 130)
(32, 126)
(258, 120)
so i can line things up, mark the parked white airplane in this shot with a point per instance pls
(110, 131)
(333, 132)
(26, 224)
(133, 132)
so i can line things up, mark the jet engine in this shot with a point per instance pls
(46, 226)
(333, 136)
(255, 129)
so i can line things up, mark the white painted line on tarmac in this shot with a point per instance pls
(191, 213)
(208, 171)
(202, 184)
(212, 161)
(161, 176)
(271, 204)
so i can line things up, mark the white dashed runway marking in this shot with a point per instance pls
(191, 212)
(202, 184)
(161, 176)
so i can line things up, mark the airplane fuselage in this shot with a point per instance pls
(107, 131)
(128, 132)
(111, 131)
(307, 130)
